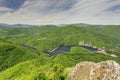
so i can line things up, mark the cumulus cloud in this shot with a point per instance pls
(65, 11)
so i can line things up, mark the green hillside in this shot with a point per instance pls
(19, 62)
(46, 67)
(32, 70)
(71, 35)
(11, 54)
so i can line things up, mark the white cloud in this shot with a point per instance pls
(64, 11)
(4, 9)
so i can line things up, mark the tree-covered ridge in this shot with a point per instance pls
(71, 35)
(51, 36)
(46, 67)
(23, 63)
(11, 54)
(33, 70)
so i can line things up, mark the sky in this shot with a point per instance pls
(60, 11)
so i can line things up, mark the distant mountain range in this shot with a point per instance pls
(59, 25)
(15, 25)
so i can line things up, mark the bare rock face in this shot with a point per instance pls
(106, 70)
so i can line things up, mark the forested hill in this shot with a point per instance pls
(18, 62)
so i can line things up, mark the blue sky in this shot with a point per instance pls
(60, 11)
(14, 4)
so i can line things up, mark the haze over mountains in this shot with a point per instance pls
(59, 25)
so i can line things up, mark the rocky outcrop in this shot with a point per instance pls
(106, 70)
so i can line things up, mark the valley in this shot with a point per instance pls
(47, 52)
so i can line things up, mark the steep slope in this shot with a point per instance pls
(11, 54)
(33, 70)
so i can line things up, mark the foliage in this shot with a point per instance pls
(22, 63)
